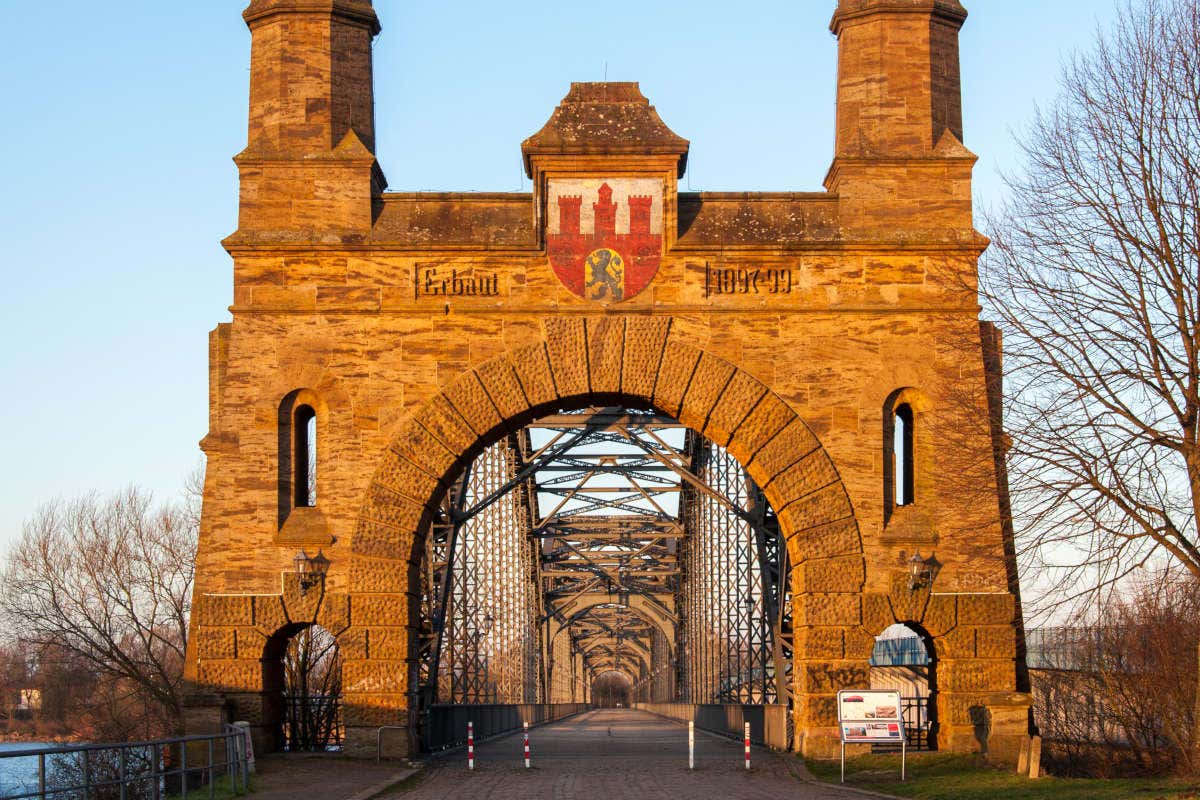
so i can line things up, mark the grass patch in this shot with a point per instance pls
(222, 790)
(950, 776)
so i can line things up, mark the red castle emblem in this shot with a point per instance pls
(610, 250)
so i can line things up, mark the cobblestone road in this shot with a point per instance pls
(611, 755)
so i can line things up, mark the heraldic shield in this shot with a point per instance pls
(604, 236)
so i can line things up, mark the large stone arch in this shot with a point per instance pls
(636, 360)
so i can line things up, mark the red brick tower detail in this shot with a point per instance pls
(639, 214)
(568, 214)
(606, 214)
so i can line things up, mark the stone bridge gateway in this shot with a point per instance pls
(829, 342)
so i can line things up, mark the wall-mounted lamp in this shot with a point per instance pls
(922, 571)
(311, 570)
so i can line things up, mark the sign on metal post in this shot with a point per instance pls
(867, 717)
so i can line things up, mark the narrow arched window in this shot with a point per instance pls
(903, 469)
(304, 457)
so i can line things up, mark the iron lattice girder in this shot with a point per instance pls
(619, 486)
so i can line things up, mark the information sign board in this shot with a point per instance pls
(866, 717)
(870, 716)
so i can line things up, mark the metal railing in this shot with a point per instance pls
(179, 767)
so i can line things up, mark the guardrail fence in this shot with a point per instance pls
(181, 767)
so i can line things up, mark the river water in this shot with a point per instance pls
(18, 775)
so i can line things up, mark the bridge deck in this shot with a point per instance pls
(609, 755)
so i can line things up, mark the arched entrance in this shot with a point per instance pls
(634, 363)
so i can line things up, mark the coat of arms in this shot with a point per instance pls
(604, 237)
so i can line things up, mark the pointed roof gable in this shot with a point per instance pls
(605, 119)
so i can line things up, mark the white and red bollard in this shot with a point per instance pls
(470, 745)
(747, 742)
(526, 745)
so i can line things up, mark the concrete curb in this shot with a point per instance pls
(374, 791)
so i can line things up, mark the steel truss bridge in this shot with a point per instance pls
(604, 541)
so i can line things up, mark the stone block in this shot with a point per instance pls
(833, 539)
(674, 376)
(374, 677)
(859, 644)
(766, 421)
(813, 643)
(811, 473)
(532, 365)
(976, 675)
(375, 709)
(503, 387)
(439, 417)
(996, 641)
(784, 449)
(379, 610)
(832, 575)
(385, 541)
(958, 643)
(216, 643)
(270, 616)
(334, 613)
(645, 338)
(566, 344)
(414, 443)
(708, 384)
(877, 613)
(469, 399)
(406, 479)
(740, 397)
(826, 609)
(377, 576)
(224, 610)
(941, 614)
(606, 344)
(986, 609)
(231, 675)
(832, 677)
(822, 506)
(390, 644)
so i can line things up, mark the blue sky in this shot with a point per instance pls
(120, 121)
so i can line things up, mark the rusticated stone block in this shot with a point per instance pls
(708, 383)
(405, 479)
(826, 609)
(385, 541)
(832, 575)
(606, 344)
(764, 423)
(818, 643)
(352, 644)
(941, 614)
(389, 507)
(832, 677)
(822, 506)
(379, 610)
(440, 418)
(812, 472)
(389, 644)
(376, 575)
(422, 448)
(375, 709)
(820, 710)
(566, 342)
(740, 397)
(785, 448)
(645, 338)
(374, 677)
(214, 643)
(958, 643)
(976, 676)
(996, 641)
(674, 376)
(834, 539)
(986, 609)
(334, 613)
(502, 385)
(877, 613)
(231, 675)
(250, 644)
(532, 365)
(470, 400)
(859, 644)
(270, 616)
(224, 610)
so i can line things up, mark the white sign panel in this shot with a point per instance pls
(869, 716)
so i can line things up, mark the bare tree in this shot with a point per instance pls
(312, 674)
(108, 582)
(1095, 273)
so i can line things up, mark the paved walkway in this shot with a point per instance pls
(610, 755)
(318, 776)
